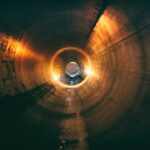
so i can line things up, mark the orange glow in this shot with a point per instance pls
(106, 30)
(88, 71)
(17, 48)
(55, 71)
(56, 77)
(23, 49)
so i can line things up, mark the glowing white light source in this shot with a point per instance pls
(88, 71)
(56, 77)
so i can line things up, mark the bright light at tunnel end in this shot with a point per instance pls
(56, 76)
(88, 71)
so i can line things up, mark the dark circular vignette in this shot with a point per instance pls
(108, 111)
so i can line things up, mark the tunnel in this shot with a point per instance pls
(75, 75)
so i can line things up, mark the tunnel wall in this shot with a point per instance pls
(120, 41)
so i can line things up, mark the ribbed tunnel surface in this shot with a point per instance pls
(103, 102)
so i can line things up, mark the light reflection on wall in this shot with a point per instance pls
(19, 66)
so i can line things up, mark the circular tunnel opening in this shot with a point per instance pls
(72, 69)
(68, 66)
(110, 71)
(73, 73)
